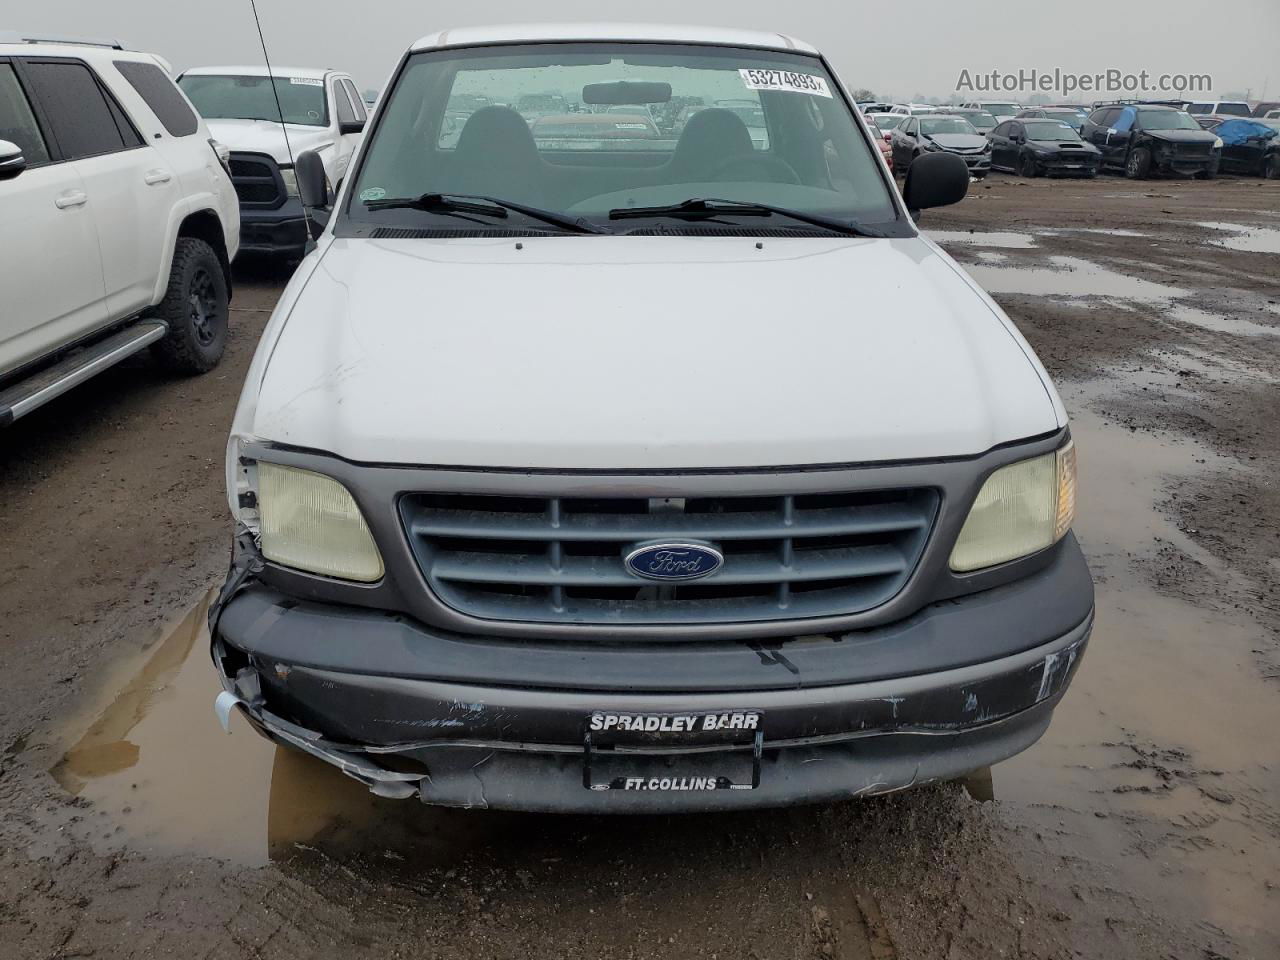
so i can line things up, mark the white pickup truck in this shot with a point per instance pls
(128, 219)
(243, 107)
(637, 474)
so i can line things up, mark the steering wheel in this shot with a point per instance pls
(753, 166)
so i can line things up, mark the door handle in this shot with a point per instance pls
(152, 177)
(71, 198)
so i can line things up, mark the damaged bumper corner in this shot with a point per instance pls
(382, 782)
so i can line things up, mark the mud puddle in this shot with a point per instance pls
(158, 775)
(1071, 277)
(994, 239)
(1161, 761)
(1246, 238)
(1160, 765)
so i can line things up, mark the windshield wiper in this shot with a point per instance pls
(702, 208)
(482, 206)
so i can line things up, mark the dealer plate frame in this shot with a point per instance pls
(589, 751)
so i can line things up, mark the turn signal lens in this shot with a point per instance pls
(311, 522)
(1066, 491)
(1021, 509)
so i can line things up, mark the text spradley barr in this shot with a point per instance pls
(675, 723)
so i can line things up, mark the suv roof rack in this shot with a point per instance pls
(15, 36)
(1144, 103)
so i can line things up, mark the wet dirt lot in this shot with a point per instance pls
(1145, 824)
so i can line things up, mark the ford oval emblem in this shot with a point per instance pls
(674, 561)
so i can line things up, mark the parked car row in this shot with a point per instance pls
(136, 193)
(1137, 138)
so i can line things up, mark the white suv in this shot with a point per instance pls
(128, 220)
(569, 476)
(244, 108)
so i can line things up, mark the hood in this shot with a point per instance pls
(959, 141)
(646, 353)
(1075, 148)
(267, 136)
(1183, 136)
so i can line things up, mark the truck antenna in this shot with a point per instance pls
(271, 78)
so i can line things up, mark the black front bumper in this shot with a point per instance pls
(1071, 166)
(474, 721)
(1172, 162)
(279, 232)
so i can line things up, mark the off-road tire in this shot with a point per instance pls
(196, 308)
(1027, 166)
(1137, 165)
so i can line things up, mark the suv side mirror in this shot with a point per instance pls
(935, 180)
(313, 189)
(12, 162)
(351, 126)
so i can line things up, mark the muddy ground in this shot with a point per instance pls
(1145, 824)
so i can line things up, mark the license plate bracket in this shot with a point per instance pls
(657, 753)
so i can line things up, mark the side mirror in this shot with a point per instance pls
(351, 126)
(313, 189)
(935, 180)
(12, 162)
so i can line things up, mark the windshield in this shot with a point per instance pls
(1234, 109)
(1001, 109)
(933, 125)
(981, 120)
(1052, 130)
(1066, 116)
(776, 132)
(219, 97)
(1167, 120)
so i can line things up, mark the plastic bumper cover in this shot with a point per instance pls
(461, 728)
(280, 231)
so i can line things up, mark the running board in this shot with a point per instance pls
(75, 368)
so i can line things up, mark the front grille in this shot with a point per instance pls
(553, 560)
(1184, 150)
(257, 180)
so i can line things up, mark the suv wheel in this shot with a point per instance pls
(1027, 166)
(1138, 166)
(1272, 168)
(195, 306)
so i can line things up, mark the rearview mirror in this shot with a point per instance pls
(625, 92)
(935, 180)
(313, 189)
(12, 162)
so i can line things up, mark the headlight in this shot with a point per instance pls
(986, 147)
(1022, 508)
(1217, 144)
(290, 181)
(311, 522)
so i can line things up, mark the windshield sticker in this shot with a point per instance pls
(305, 82)
(372, 193)
(786, 81)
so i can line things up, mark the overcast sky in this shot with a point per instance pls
(895, 49)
